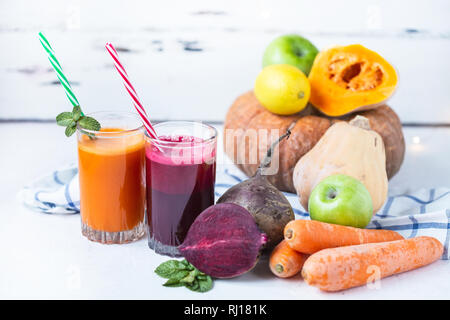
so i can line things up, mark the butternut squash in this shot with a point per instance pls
(349, 78)
(345, 148)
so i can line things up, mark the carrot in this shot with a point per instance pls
(309, 236)
(346, 267)
(285, 262)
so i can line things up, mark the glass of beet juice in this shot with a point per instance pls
(180, 176)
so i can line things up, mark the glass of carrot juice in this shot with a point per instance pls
(111, 166)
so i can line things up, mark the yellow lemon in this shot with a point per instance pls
(282, 89)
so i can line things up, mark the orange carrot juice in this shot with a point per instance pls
(112, 185)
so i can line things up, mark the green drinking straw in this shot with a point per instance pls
(62, 78)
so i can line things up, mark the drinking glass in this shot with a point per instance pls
(180, 175)
(111, 166)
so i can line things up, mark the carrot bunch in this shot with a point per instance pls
(334, 257)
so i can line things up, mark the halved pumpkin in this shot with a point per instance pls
(349, 78)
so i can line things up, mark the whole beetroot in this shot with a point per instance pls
(224, 241)
(268, 206)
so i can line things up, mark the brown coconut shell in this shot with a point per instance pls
(246, 144)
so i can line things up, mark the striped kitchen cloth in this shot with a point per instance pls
(425, 212)
(57, 193)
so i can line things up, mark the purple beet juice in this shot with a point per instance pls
(180, 185)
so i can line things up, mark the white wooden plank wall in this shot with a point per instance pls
(190, 59)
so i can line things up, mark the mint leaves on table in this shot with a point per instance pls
(71, 119)
(182, 273)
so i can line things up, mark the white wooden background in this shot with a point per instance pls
(190, 59)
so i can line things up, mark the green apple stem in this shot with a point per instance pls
(332, 194)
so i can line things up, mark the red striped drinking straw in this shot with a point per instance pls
(129, 87)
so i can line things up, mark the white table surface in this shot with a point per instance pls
(45, 256)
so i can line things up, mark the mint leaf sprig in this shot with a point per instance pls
(71, 119)
(182, 273)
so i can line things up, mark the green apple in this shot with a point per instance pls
(341, 199)
(291, 49)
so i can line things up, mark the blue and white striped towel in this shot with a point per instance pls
(425, 212)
